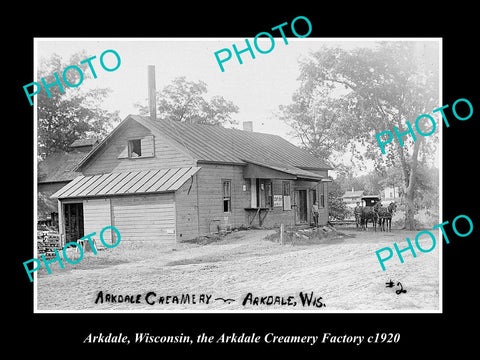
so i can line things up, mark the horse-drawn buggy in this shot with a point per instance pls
(374, 211)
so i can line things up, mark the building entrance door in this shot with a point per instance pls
(301, 208)
(73, 221)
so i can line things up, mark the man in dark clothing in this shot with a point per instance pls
(358, 212)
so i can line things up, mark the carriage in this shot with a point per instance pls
(367, 211)
(374, 211)
(370, 200)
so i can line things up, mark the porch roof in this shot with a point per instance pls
(125, 183)
(288, 171)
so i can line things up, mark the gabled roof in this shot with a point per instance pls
(218, 144)
(59, 167)
(208, 143)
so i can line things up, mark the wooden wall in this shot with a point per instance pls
(96, 216)
(113, 158)
(278, 215)
(186, 209)
(210, 197)
(145, 217)
(136, 217)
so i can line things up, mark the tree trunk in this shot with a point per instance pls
(409, 211)
(410, 188)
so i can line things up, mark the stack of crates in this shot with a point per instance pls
(46, 245)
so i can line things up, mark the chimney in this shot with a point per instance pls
(151, 92)
(248, 125)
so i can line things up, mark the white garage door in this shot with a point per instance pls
(145, 218)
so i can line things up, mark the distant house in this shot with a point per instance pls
(55, 172)
(391, 193)
(352, 197)
(167, 181)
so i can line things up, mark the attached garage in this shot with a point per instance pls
(139, 204)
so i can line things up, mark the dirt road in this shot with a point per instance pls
(229, 274)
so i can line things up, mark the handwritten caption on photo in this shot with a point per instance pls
(304, 299)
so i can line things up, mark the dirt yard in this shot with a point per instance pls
(228, 275)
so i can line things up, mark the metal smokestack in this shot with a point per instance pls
(152, 103)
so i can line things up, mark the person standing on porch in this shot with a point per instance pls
(315, 213)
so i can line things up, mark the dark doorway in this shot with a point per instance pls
(302, 206)
(73, 221)
(264, 193)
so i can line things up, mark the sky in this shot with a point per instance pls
(258, 86)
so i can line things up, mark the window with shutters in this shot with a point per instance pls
(134, 148)
(138, 148)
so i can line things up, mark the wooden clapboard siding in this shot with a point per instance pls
(186, 208)
(145, 218)
(210, 197)
(113, 156)
(96, 216)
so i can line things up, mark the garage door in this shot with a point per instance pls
(145, 218)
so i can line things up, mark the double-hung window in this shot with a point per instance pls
(227, 196)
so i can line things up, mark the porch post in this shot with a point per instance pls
(253, 193)
(61, 231)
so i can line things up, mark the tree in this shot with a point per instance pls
(73, 114)
(314, 120)
(184, 101)
(381, 87)
(337, 208)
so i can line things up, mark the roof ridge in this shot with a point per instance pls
(146, 117)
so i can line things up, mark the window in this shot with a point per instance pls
(227, 195)
(134, 148)
(314, 196)
(287, 205)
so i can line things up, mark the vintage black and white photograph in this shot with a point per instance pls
(215, 175)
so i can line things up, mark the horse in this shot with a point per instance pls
(385, 216)
(369, 213)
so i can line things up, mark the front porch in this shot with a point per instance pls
(283, 195)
